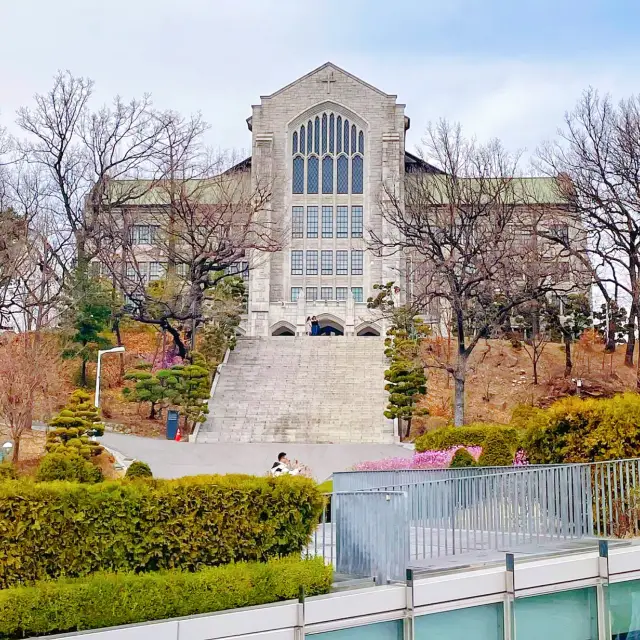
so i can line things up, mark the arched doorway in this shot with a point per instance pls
(330, 325)
(283, 328)
(366, 330)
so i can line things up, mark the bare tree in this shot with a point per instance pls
(466, 231)
(598, 154)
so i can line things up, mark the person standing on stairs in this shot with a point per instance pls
(315, 326)
(307, 326)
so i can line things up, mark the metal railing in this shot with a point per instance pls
(376, 531)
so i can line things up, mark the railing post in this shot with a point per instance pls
(409, 618)
(602, 591)
(510, 598)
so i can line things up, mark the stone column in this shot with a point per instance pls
(350, 316)
(301, 316)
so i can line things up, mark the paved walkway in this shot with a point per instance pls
(169, 459)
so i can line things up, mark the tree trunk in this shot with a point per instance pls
(152, 413)
(408, 430)
(535, 368)
(631, 336)
(83, 373)
(182, 350)
(16, 449)
(116, 330)
(568, 363)
(458, 400)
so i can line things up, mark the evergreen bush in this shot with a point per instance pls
(55, 529)
(7, 471)
(470, 435)
(462, 458)
(67, 466)
(495, 452)
(138, 469)
(106, 600)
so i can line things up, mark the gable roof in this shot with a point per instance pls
(333, 67)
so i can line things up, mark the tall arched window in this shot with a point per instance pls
(298, 175)
(327, 174)
(357, 174)
(343, 174)
(312, 175)
(333, 150)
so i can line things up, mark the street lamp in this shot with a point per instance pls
(100, 354)
(7, 447)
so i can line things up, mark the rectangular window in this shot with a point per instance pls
(356, 262)
(342, 263)
(296, 263)
(297, 222)
(295, 293)
(143, 233)
(156, 271)
(312, 293)
(326, 293)
(356, 222)
(312, 222)
(131, 272)
(327, 222)
(327, 263)
(357, 294)
(312, 263)
(182, 269)
(342, 222)
(341, 293)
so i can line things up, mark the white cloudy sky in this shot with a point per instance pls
(502, 68)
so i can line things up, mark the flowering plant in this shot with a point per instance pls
(520, 459)
(434, 459)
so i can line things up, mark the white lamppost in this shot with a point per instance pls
(7, 448)
(100, 354)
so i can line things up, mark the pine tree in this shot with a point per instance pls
(72, 429)
(189, 388)
(611, 324)
(148, 387)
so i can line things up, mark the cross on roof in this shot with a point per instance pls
(328, 80)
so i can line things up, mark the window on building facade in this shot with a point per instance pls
(327, 222)
(342, 222)
(156, 271)
(326, 293)
(296, 263)
(356, 222)
(333, 151)
(143, 233)
(311, 293)
(295, 293)
(182, 269)
(342, 293)
(327, 263)
(356, 262)
(312, 263)
(358, 295)
(342, 263)
(312, 222)
(297, 222)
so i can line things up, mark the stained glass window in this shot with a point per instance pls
(302, 145)
(327, 222)
(346, 136)
(296, 263)
(331, 133)
(326, 263)
(297, 222)
(339, 135)
(324, 133)
(312, 175)
(298, 175)
(356, 262)
(356, 222)
(357, 177)
(353, 139)
(342, 222)
(342, 263)
(343, 174)
(316, 136)
(327, 174)
(309, 137)
(361, 142)
(295, 142)
(312, 222)
(312, 263)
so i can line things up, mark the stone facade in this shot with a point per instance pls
(280, 298)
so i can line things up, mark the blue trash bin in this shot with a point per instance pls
(172, 424)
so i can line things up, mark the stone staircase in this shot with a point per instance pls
(303, 390)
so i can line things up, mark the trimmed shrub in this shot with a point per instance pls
(7, 471)
(575, 430)
(69, 467)
(462, 458)
(55, 529)
(138, 469)
(106, 600)
(467, 436)
(496, 452)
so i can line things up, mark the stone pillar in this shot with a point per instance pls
(301, 316)
(350, 317)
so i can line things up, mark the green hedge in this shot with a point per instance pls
(138, 469)
(469, 435)
(105, 600)
(50, 530)
(461, 459)
(495, 451)
(68, 466)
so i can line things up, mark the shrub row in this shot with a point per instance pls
(466, 436)
(105, 600)
(59, 529)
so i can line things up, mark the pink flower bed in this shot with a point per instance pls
(438, 459)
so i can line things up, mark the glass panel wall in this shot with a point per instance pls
(480, 623)
(624, 610)
(378, 631)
